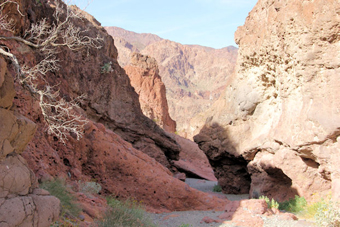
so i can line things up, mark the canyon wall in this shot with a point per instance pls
(275, 130)
(193, 75)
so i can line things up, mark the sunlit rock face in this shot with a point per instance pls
(279, 115)
(144, 76)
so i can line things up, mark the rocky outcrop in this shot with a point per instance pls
(193, 75)
(22, 203)
(144, 76)
(96, 75)
(104, 154)
(275, 129)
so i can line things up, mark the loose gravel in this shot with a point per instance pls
(194, 218)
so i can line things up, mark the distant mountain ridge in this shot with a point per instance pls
(138, 40)
(194, 75)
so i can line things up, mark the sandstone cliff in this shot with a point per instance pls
(275, 129)
(193, 75)
(144, 76)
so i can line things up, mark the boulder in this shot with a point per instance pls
(192, 160)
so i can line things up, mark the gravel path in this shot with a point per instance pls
(194, 218)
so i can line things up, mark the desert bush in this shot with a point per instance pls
(89, 187)
(58, 188)
(127, 213)
(106, 68)
(294, 205)
(270, 202)
(217, 188)
(328, 214)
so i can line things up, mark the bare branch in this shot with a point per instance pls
(60, 115)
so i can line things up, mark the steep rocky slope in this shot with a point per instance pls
(115, 130)
(193, 75)
(22, 202)
(275, 129)
(144, 76)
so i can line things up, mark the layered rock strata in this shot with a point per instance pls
(278, 118)
(144, 76)
(22, 203)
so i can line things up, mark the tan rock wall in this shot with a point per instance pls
(283, 100)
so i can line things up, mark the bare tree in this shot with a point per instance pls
(61, 116)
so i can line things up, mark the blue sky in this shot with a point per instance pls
(205, 22)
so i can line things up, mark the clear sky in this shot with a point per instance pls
(204, 22)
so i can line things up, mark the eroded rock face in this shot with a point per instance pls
(279, 112)
(144, 76)
(21, 204)
(193, 75)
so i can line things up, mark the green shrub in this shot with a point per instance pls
(217, 188)
(294, 205)
(271, 203)
(184, 225)
(127, 213)
(106, 68)
(58, 189)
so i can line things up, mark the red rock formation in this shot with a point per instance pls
(144, 76)
(278, 118)
(101, 154)
(110, 99)
(119, 168)
(192, 74)
(193, 161)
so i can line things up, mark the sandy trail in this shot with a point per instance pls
(194, 218)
